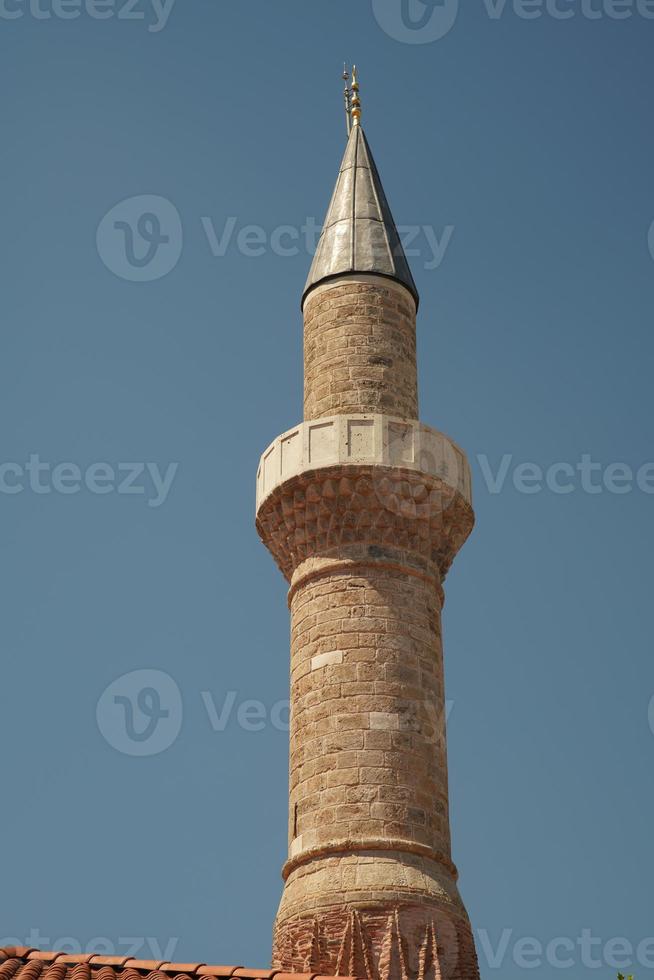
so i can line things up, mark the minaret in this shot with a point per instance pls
(364, 509)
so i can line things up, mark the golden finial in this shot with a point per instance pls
(346, 97)
(356, 101)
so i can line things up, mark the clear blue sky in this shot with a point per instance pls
(532, 140)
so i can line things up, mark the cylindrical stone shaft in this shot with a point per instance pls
(364, 518)
(368, 761)
(360, 349)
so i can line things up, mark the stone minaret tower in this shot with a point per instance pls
(364, 508)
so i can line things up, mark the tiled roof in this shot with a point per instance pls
(23, 963)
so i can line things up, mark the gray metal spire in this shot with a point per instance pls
(359, 234)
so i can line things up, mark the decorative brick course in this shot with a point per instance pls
(381, 916)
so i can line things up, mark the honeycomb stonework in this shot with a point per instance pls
(364, 509)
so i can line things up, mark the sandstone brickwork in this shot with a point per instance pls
(364, 517)
(360, 349)
(368, 760)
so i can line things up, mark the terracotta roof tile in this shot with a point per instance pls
(103, 973)
(219, 971)
(26, 963)
(81, 971)
(256, 974)
(55, 971)
(9, 967)
(181, 967)
(147, 965)
(118, 961)
(31, 969)
(297, 976)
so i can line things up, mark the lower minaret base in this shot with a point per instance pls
(364, 515)
(375, 915)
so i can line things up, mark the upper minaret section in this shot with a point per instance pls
(360, 300)
(359, 234)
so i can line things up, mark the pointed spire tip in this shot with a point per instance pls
(347, 97)
(356, 101)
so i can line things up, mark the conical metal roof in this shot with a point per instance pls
(359, 234)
